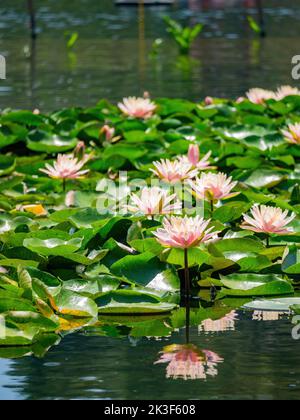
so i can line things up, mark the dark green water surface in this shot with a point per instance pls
(261, 361)
(111, 57)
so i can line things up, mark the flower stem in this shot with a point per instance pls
(268, 241)
(187, 295)
(64, 184)
(186, 274)
(212, 207)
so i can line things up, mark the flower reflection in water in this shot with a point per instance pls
(267, 315)
(188, 362)
(227, 323)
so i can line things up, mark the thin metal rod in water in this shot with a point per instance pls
(260, 9)
(186, 274)
(142, 42)
(31, 12)
(187, 295)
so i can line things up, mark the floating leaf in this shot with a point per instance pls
(52, 246)
(70, 303)
(51, 143)
(265, 178)
(93, 287)
(291, 263)
(131, 302)
(141, 269)
(255, 285)
(280, 305)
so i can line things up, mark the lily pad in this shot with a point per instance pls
(280, 305)
(131, 302)
(52, 246)
(255, 285)
(40, 141)
(70, 303)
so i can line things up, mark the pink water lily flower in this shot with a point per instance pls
(259, 96)
(184, 232)
(154, 201)
(137, 107)
(292, 134)
(208, 100)
(194, 158)
(70, 198)
(213, 187)
(108, 132)
(240, 100)
(266, 219)
(285, 91)
(66, 167)
(187, 362)
(174, 171)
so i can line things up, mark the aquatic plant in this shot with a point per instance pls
(254, 25)
(185, 233)
(137, 107)
(269, 220)
(79, 261)
(193, 157)
(66, 167)
(259, 96)
(154, 201)
(292, 133)
(213, 187)
(174, 171)
(71, 39)
(183, 36)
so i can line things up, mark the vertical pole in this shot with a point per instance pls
(32, 73)
(261, 16)
(186, 274)
(31, 12)
(142, 43)
(187, 296)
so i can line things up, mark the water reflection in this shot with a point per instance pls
(32, 72)
(267, 315)
(187, 361)
(108, 366)
(197, 5)
(114, 45)
(227, 323)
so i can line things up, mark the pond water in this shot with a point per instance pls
(111, 57)
(260, 361)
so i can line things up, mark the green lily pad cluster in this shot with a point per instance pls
(67, 267)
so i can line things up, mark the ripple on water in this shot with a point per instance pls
(104, 29)
(255, 366)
